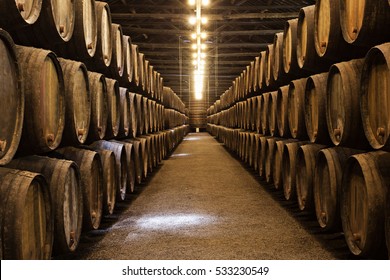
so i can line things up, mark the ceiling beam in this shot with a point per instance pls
(188, 46)
(224, 7)
(211, 17)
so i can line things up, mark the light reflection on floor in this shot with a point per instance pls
(180, 155)
(191, 138)
(173, 221)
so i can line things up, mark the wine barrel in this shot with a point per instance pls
(307, 56)
(290, 62)
(268, 66)
(44, 90)
(262, 155)
(113, 102)
(278, 67)
(99, 106)
(130, 165)
(117, 66)
(138, 160)
(103, 54)
(257, 113)
(315, 109)
(82, 44)
(145, 155)
(63, 177)
(362, 23)
(133, 114)
(134, 62)
(328, 173)
(128, 59)
(363, 198)
(281, 112)
(91, 172)
(264, 113)
(262, 70)
(146, 114)
(141, 71)
(256, 150)
(289, 168)
(140, 114)
(270, 146)
(26, 218)
(124, 124)
(272, 111)
(306, 161)
(277, 165)
(328, 38)
(17, 14)
(374, 101)
(254, 112)
(77, 102)
(119, 151)
(54, 24)
(147, 75)
(343, 108)
(110, 179)
(12, 96)
(295, 105)
(255, 78)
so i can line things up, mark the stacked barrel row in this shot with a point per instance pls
(174, 109)
(320, 134)
(75, 137)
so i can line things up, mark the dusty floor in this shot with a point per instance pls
(202, 203)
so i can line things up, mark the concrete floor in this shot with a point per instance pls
(202, 203)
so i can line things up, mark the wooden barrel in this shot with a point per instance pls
(253, 116)
(124, 110)
(328, 173)
(374, 101)
(26, 218)
(363, 198)
(256, 150)
(264, 113)
(343, 108)
(117, 65)
(128, 59)
(77, 102)
(362, 22)
(113, 102)
(54, 26)
(145, 155)
(44, 100)
(290, 62)
(270, 146)
(130, 165)
(110, 180)
(315, 109)
(141, 71)
(17, 14)
(119, 151)
(63, 177)
(257, 113)
(268, 66)
(99, 106)
(133, 114)
(328, 38)
(295, 105)
(262, 70)
(146, 114)
(138, 160)
(103, 55)
(272, 112)
(306, 161)
(82, 44)
(289, 168)
(281, 112)
(278, 164)
(262, 155)
(278, 67)
(147, 76)
(307, 56)
(12, 96)
(134, 54)
(91, 172)
(255, 73)
(140, 114)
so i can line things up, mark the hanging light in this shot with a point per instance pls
(192, 20)
(204, 20)
(205, 2)
(191, 2)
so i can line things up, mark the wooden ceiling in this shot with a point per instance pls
(237, 31)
